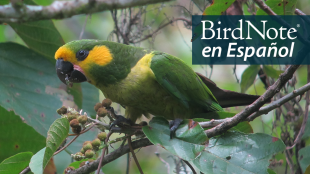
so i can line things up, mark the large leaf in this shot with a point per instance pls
(187, 142)
(236, 152)
(57, 133)
(16, 163)
(43, 37)
(16, 136)
(248, 77)
(304, 158)
(30, 87)
(40, 36)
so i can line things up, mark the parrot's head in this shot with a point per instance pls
(82, 60)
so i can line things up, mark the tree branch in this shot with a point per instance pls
(112, 156)
(254, 107)
(281, 101)
(65, 9)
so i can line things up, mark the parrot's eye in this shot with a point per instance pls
(81, 55)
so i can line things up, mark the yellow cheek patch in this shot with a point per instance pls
(66, 54)
(99, 55)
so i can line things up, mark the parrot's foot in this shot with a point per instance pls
(173, 125)
(121, 121)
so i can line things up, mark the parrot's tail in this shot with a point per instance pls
(228, 98)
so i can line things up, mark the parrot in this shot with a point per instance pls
(145, 81)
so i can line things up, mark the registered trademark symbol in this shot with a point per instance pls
(298, 25)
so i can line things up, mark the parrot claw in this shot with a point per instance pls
(121, 121)
(173, 125)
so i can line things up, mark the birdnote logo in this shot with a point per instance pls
(248, 39)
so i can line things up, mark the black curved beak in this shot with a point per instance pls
(67, 73)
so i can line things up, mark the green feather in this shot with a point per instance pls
(182, 82)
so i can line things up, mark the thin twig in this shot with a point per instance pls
(279, 102)
(306, 113)
(302, 15)
(26, 170)
(161, 27)
(128, 163)
(134, 155)
(103, 152)
(84, 26)
(66, 145)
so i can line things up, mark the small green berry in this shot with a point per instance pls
(102, 136)
(71, 116)
(89, 153)
(87, 146)
(96, 142)
(82, 151)
(82, 119)
(78, 156)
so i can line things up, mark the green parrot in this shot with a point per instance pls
(144, 81)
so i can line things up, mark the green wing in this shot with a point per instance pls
(182, 82)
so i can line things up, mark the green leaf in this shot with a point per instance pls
(236, 152)
(271, 72)
(17, 136)
(248, 77)
(43, 2)
(16, 163)
(271, 171)
(187, 142)
(218, 7)
(4, 2)
(277, 7)
(304, 158)
(36, 162)
(30, 87)
(57, 133)
(40, 36)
